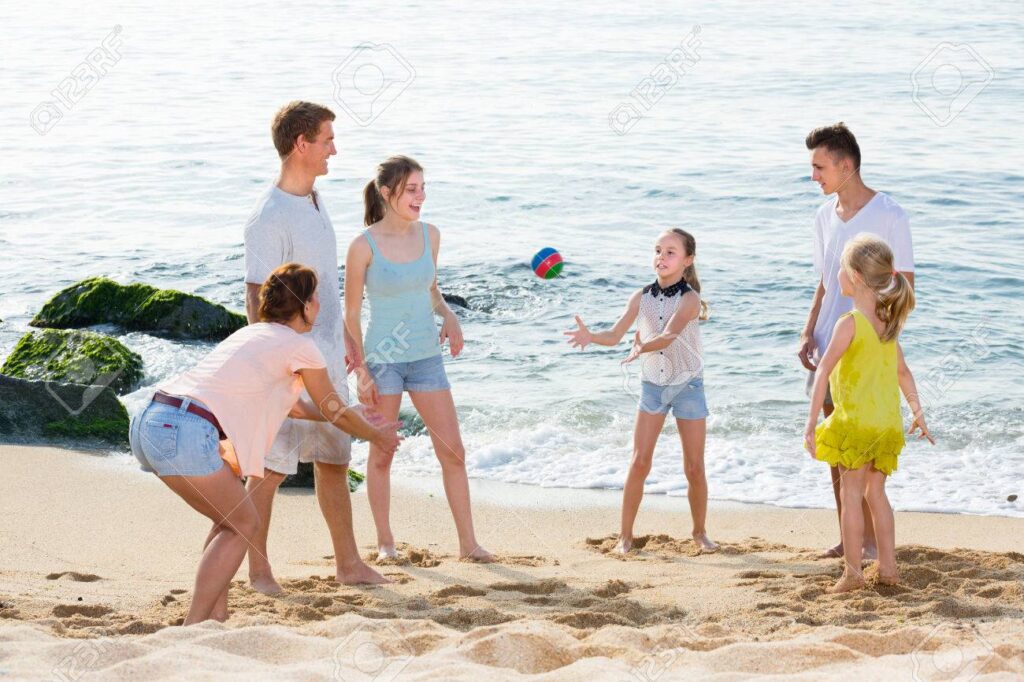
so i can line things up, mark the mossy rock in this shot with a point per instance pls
(138, 307)
(304, 478)
(44, 410)
(74, 357)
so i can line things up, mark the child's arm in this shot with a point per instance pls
(581, 336)
(842, 336)
(688, 309)
(909, 388)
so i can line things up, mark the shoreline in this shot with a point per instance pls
(491, 491)
(109, 558)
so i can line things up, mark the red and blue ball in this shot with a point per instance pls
(547, 263)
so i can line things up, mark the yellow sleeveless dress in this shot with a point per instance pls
(866, 426)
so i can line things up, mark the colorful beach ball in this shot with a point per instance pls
(547, 263)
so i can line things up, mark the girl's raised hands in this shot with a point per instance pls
(579, 337)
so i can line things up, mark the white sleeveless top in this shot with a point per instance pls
(680, 361)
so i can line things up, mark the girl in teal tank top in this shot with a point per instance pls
(395, 261)
(401, 327)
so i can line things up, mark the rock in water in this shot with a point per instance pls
(74, 357)
(40, 409)
(304, 478)
(1011, 498)
(138, 307)
(455, 299)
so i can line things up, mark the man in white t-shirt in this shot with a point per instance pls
(290, 224)
(852, 208)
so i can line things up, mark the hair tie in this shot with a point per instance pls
(894, 273)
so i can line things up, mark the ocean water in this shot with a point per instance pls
(589, 130)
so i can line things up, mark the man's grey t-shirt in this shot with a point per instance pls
(287, 228)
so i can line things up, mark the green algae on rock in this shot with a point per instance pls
(74, 357)
(138, 307)
(304, 478)
(32, 410)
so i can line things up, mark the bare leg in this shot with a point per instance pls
(222, 499)
(220, 609)
(336, 505)
(438, 412)
(378, 481)
(645, 437)
(885, 526)
(261, 491)
(692, 432)
(853, 482)
(870, 546)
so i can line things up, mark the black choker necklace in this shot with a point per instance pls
(680, 287)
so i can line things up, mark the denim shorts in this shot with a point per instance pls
(419, 375)
(172, 442)
(686, 400)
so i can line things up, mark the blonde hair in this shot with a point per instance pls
(690, 273)
(872, 259)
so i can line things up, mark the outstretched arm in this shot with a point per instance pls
(909, 388)
(842, 336)
(581, 336)
(336, 410)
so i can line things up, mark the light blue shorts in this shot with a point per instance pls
(172, 442)
(686, 400)
(393, 378)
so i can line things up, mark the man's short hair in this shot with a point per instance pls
(294, 119)
(837, 140)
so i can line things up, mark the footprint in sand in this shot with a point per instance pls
(548, 586)
(960, 584)
(74, 575)
(612, 588)
(458, 591)
(89, 611)
(407, 556)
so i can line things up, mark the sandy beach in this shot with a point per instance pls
(94, 577)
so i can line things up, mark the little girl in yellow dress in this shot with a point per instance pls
(865, 370)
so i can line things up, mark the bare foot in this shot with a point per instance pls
(705, 544)
(623, 545)
(848, 583)
(385, 552)
(889, 578)
(359, 574)
(219, 616)
(265, 585)
(870, 553)
(478, 555)
(832, 552)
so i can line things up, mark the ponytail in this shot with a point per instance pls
(374, 202)
(894, 305)
(393, 174)
(690, 273)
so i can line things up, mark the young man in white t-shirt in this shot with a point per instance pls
(852, 208)
(290, 224)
